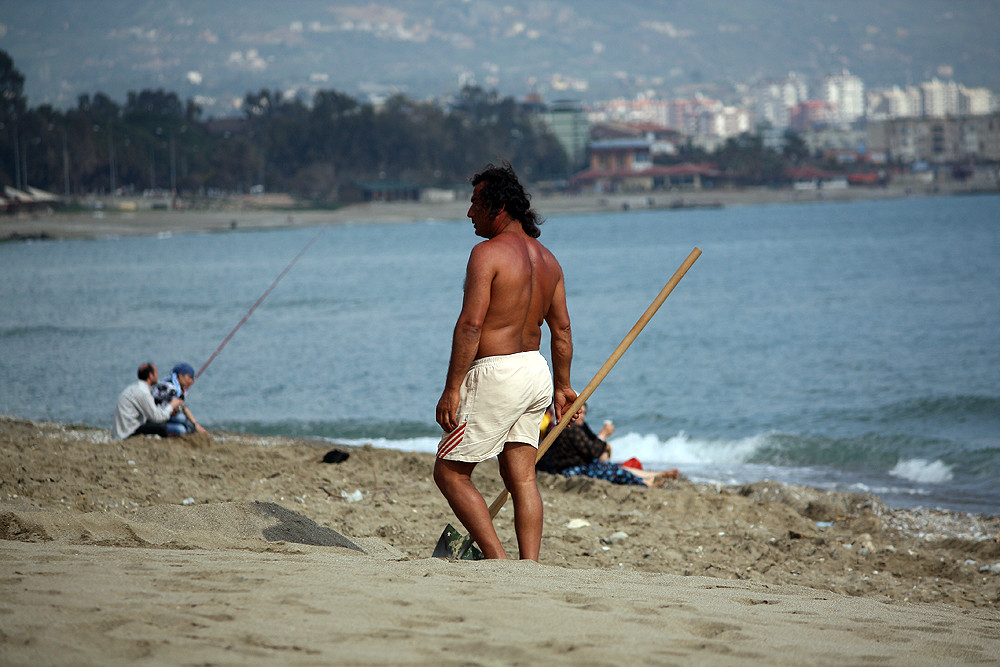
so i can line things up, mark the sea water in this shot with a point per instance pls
(851, 346)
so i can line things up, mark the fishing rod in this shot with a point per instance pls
(254, 307)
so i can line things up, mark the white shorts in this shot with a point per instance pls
(502, 400)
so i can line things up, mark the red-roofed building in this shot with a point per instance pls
(812, 178)
(651, 178)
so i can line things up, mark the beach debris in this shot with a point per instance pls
(615, 538)
(352, 497)
(573, 524)
(335, 456)
(992, 569)
(187, 501)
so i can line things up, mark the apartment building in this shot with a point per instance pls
(773, 100)
(946, 140)
(568, 122)
(932, 98)
(845, 93)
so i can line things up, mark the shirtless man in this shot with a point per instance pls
(498, 385)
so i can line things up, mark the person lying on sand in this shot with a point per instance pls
(579, 452)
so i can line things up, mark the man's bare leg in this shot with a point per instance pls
(454, 478)
(517, 467)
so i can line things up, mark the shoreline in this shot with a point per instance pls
(229, 547)
(243, 215)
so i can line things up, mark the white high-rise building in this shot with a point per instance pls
(846, 93)
(893, 102)
(775, 98)
(975, 101)
(930, 99)
(939, 98)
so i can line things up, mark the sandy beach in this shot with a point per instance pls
(233, 549)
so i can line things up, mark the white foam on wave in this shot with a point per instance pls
(923, 471)
(882, 490)
(682, 449)
(423, 445)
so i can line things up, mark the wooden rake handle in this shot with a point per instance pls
(605, 369)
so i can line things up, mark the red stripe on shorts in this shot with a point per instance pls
(452, 442)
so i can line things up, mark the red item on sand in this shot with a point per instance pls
(632, 463)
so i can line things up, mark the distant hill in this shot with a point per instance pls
(218, 50)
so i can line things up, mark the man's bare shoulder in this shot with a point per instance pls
(486, 251)
(497, 248)
(507, 250)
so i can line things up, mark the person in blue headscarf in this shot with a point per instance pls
(182, 422)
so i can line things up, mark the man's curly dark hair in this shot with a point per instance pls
(502, 190)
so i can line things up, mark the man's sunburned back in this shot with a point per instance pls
(525, 278)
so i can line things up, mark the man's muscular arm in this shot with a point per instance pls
(465, 340)
(562, 349)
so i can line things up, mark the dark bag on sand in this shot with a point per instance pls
(335, 456)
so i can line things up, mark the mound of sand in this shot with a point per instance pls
(217, 526)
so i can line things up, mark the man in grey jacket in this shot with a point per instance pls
(136, 413)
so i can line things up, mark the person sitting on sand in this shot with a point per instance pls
(136, 413)
(182, 421)
(579, 452)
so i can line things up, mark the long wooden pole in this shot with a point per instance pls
(603, 372)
